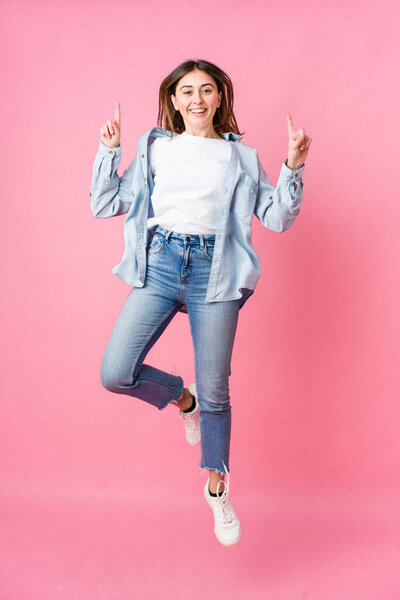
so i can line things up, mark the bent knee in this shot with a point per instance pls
(108, 380)
(110, 376)
(117, 373)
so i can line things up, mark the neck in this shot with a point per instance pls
(206, 133)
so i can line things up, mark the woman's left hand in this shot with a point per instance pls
(299, 144)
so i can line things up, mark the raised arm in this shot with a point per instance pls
(110, 195)
(278, 207)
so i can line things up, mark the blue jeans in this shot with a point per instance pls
(178, 268)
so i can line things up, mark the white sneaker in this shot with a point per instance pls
(227, 525)
(192, 420)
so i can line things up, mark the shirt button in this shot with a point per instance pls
(144, 178)
(110, 152)
(142, 155)
(296, 174)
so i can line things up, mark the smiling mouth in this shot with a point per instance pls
(198, 112)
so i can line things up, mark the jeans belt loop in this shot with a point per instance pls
(201, 241)
(167, 236)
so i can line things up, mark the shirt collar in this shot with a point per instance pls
(231, 136)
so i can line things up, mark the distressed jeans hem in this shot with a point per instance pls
(174, 399)
(212, 469)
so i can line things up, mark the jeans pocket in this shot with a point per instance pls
(208, 250)
(157, 243)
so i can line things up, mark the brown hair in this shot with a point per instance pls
(170, 119)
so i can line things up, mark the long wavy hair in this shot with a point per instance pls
(170, 119)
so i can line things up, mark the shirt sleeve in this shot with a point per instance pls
(277, 207)
(152, 156)
(110, 195)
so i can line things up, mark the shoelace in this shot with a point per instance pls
(224, 507)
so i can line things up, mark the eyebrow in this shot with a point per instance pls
(182, 86)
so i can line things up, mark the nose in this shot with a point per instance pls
(197, 99)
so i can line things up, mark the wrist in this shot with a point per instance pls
(293, 167)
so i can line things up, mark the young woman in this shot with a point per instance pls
(190, 194)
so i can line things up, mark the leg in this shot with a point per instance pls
(143, 318)
(184, 401)
(213, 327)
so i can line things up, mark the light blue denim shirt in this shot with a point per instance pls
(247, 191)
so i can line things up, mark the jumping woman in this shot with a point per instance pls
(190, 195)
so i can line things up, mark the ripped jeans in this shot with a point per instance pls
(178, 267)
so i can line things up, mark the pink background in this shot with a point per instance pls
(101, 496)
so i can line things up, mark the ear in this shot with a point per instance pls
(173, 100)
(220, 99)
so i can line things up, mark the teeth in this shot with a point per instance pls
(199, 111)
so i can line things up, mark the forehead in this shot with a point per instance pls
(196, 78)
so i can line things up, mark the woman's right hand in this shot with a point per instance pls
(110, 132)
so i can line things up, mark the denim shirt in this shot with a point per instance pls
(246, 191)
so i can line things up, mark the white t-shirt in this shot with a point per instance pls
(188, 172)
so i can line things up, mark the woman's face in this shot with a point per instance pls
(197, 98)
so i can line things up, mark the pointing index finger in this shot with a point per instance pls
(290, 125)
(118, 113)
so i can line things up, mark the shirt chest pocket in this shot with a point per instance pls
(244, 197)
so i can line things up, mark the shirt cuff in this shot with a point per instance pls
(106, 151)
(297, 173)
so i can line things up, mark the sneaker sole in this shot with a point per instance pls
(194, 443)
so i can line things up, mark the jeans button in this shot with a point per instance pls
(188, 238)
